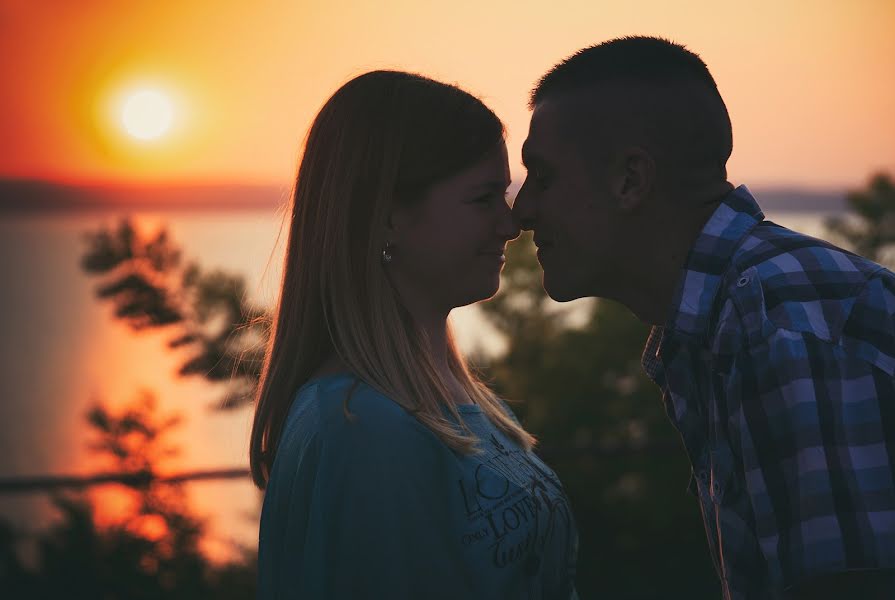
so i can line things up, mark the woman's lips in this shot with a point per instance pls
(496, 254)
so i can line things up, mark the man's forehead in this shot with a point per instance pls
(544, 118)
(555, 121)
(565, 120)
(543, 131)
(586, 104)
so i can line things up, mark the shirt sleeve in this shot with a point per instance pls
(380, 523)
(817, 425)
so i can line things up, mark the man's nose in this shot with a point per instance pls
(506, 225)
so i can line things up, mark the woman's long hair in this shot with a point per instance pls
(378, 143)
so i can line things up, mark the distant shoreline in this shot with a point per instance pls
(39, 196)
(20, 196)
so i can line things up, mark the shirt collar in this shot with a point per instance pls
(650, 360)
(707, 261)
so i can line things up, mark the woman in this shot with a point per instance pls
(390, 470)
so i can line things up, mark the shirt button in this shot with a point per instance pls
(532, 563)
(704, 477)
(742, 281)
(716, 488)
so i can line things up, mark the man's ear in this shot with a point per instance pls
(634, 177)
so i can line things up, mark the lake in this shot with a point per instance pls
(61, 350)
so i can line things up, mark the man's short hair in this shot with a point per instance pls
(658, 71)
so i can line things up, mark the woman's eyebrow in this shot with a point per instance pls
(497, 184)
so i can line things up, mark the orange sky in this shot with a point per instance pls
(810, 85)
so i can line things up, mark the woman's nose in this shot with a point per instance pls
(507, 227)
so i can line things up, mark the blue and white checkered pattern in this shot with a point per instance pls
(777, 368)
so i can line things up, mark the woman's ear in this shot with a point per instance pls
(399, 221)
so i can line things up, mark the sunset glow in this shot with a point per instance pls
(147, 114)
(808, 85)
(148, 177)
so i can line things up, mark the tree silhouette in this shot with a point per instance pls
(133, 439)
(870, 227)
(150, 286)
(580, 388)
(149, 552)
(603, 429)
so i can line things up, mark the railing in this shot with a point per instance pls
(139, 479)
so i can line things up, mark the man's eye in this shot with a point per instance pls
(540, 177)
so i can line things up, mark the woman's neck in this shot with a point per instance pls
(435, 328)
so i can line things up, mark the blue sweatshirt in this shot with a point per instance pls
(378, 507)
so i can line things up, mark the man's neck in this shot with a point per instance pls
(649, 287)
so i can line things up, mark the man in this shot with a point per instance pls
(774, 351)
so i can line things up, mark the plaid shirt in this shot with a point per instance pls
(776, 366)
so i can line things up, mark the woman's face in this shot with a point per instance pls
(448, 249)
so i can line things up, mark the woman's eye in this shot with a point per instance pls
(488, 198)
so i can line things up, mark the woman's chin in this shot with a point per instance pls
(491, 291)
(480, 295)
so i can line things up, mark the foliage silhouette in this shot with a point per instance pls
(579, 388)
(151, 287)
(869, 228)
(151, 551)
(603, 429)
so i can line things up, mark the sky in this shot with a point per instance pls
(809, 84)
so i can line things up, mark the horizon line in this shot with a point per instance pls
(34, 195)
(224, 181)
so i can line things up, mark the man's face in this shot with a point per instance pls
(566, 200)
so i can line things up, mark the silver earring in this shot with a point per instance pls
(386, 253)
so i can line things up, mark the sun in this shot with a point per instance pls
(147, 114)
